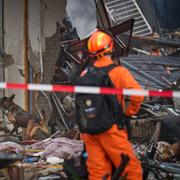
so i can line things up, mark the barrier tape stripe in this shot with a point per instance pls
(39, 87)
(3, 85)
(161, 93)
(16, 86)
(90, 90)
(62, 88)
(136, 92)
(176, 94)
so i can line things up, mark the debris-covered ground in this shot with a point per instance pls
(38, 159)
(155, 130)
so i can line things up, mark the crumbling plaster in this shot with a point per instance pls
(13, 43)
(43, 15)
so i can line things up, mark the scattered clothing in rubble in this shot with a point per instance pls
(59, 147)
(11, 147)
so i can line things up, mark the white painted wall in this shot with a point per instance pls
(13, 39)
(35, 34)
(42, 23)
(43, 16)
(34, 23)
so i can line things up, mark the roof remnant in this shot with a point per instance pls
(158, 68)
(122, 10)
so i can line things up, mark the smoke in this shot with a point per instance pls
(83, 15)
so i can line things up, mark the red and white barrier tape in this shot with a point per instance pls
(90, 90)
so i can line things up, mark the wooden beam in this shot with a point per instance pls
(26, 40)
(152, 42)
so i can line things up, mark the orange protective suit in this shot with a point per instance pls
(105, 149)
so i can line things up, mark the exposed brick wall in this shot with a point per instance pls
(50, 57)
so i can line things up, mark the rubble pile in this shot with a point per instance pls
(154, 64)
(154, 130)
(43, 159)
(61, 147)
(11, 147)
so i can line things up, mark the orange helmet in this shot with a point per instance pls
(99, 44)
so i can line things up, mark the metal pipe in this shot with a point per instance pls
(39, 80)
(41, 60)
(165, 80)
(26, 66)
(59, 111)
(141, 51)
(60, 104)
(31, 92)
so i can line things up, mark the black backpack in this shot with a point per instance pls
(96, 113)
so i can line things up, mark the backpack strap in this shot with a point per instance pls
(106, 69)
(121, 124)
(101, 71)
(105, 72)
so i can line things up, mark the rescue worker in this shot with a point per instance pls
(104, 150)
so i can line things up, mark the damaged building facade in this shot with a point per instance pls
(27, 29)
(31, 33)
(44, 42)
